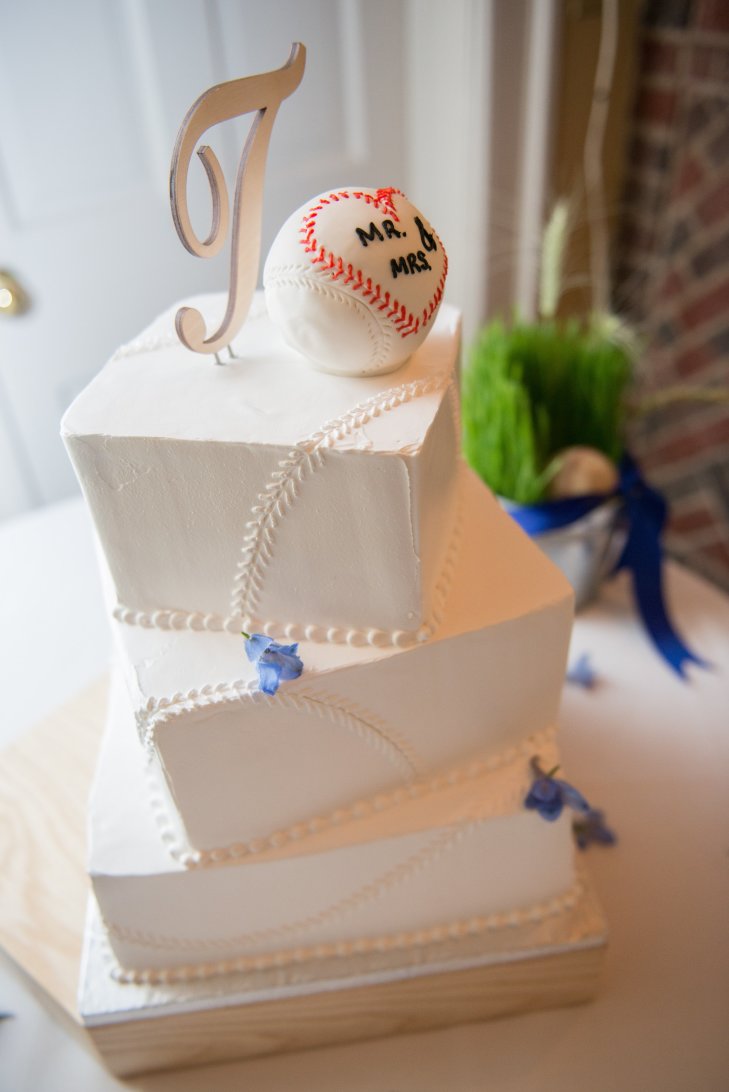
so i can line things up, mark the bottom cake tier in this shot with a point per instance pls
(464, 860)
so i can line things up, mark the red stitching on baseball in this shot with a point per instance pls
(385, 198)
(406, 323)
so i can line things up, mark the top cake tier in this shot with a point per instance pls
(265, 495)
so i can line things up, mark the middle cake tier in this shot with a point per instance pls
(362, 724)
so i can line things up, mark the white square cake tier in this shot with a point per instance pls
(463, 859)
(288, 498)
(362, 723)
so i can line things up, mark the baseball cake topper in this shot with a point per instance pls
(354, 279)
(263, 93)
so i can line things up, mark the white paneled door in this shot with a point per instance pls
(93, 94)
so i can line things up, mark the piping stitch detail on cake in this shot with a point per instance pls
(507, 920)
(168, 618)
(368, 893)
(281, 490)
(378, 638)
(283, 481)
(275, 501)
(445, 577)
(510, 765)
(456, 410)
(361, 723)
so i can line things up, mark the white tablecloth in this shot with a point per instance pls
(650, 749)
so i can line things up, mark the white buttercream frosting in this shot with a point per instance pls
(276, 490)
(360, 720)
(375, 804)
(467, 852)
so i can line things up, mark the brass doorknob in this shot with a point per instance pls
(13, 297)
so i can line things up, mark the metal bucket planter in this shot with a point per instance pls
(587, 550)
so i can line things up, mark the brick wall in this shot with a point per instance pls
(673, 269)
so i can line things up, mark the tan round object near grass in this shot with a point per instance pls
(582, 470)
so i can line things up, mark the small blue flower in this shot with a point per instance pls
(582, 673)
(275, 663)
(592, 828)
(549, 795)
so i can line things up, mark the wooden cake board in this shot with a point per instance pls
(44, 784)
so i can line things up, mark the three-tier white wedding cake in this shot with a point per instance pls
(370, 813)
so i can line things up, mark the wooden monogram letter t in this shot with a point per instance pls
(263, 93)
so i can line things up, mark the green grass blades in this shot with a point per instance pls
(532, 390)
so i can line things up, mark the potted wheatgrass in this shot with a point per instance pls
(544, 407)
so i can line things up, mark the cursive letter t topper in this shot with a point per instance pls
(263, 93)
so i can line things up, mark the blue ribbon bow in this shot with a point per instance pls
(644, 511)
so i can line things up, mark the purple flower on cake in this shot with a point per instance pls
(592, 828)
(275, 663)
(581, 672)
(549, 795)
